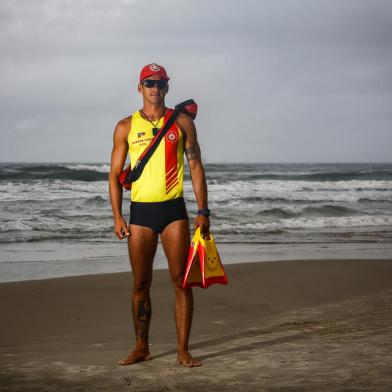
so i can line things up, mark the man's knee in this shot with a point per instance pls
(141, 286)
(177, 282)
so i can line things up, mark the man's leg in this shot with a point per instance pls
(175, 242)
(142, 245)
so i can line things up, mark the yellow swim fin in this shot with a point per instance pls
(204, 266)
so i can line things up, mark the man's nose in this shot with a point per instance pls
(155, 90)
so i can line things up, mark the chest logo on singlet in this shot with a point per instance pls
(172, 137)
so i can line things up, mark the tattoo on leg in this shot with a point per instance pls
(143, 317)
(191, 153)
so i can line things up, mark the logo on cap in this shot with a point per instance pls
(154, 67)
(172, 137)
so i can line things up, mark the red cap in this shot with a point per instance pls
(153, 69)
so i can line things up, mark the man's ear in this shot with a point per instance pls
(139, 88)
(167, 89)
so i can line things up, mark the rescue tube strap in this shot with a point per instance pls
(129, 175)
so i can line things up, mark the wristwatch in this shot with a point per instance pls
(204, 212)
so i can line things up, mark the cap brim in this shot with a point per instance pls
(162, 77)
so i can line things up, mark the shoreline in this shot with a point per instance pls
(278, 324)
(38, 261)
(165, 268)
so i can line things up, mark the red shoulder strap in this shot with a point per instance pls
(165, 118)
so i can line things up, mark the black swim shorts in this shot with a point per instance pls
(157, 215)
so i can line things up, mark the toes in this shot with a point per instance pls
(126, 361)
(123, 362)
(131, 359)
(191, 363)
(194, 364)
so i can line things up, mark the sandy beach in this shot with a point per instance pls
(278, 326)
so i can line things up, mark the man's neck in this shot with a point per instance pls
(154, 112)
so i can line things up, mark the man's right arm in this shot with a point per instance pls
(119, 155)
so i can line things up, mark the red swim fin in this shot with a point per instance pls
(193, 275)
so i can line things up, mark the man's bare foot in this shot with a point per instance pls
(134, 357)
(186, 359)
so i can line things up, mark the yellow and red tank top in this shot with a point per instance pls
(162, 177)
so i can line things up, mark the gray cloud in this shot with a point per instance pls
(275, 81)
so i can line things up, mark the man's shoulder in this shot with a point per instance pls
(122, 128)
(126, 121)
(185, 123)
(184, 118)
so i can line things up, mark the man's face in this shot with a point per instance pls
(153, 89)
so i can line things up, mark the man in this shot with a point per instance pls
(157, 207)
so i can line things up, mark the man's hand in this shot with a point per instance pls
(204, 223)
(121, 228)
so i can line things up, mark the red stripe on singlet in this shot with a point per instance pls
(171, 145)
(169, 188)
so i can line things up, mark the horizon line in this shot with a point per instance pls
(207, 162)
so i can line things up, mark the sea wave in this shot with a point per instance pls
(101, 168)
(300, 172)
(308, 223)
(308, 177)
(299, 191)
(309, 211)
(51, 190)
(216, 173)
(43, 206)
(78, 172)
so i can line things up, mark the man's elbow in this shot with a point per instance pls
(113, 177)
(196, 167)
(195, 164)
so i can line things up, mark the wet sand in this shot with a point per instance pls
(277, 326)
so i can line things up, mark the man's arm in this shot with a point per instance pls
(193, 154)
(119, 155)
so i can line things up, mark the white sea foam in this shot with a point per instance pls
(341, 191)
(51, 190)
(301, 223)
(14, 225)
(36, 223)
(102, 168)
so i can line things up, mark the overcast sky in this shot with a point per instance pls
(275, 80)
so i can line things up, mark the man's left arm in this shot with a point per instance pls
(193, 154)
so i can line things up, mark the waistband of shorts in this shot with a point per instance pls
(158, 203)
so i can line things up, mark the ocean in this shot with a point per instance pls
(55, 218)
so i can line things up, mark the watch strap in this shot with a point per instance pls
(204, 212)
